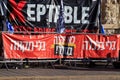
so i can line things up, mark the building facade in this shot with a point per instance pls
(111, 16)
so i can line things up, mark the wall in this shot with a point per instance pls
(111, 15)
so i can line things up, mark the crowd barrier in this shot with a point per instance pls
(52, 47)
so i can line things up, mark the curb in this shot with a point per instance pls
(81, 77)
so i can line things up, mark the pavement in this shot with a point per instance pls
(70, 73)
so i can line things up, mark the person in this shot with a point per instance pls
(1, 22)
(95, 30)
(1, 28)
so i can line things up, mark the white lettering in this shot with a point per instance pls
(85, 15)
(68, 15)
(75, 15)
(30, 12)
(62, 50)
(28, 45)
(51, 11)
(36, 11)
(64, 39)
(100, 45)
(40, 11)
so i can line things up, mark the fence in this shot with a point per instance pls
(53, 47)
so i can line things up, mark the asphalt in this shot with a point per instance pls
(70, 73)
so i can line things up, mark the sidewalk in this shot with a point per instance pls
(60, 74)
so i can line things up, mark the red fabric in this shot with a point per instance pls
(17, 7)
(101, 46)
(46, 46)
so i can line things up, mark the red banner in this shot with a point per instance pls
(101, 46)
(47, 46)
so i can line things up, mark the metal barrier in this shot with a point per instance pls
(52, 61)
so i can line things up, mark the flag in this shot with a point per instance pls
(9, 27)
(60, 21)
(102, 31)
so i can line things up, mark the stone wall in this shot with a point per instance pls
(111, 14)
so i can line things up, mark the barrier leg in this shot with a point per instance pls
(6, 66)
